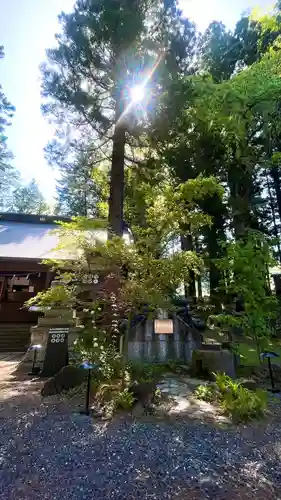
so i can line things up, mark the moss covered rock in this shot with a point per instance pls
(68, 377)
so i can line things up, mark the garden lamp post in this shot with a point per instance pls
(86, 365)
(35, 369)
(269, 355)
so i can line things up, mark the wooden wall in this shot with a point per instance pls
(11, 304)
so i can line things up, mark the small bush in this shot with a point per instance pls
(146, 372)
(125, 400)
(245, 405)
(237, 401)
(205, 392)
(226, 384)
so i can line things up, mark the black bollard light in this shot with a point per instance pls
(269, 355)
(35, 369)
(87, 366)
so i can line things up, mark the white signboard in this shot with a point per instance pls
(164, 326)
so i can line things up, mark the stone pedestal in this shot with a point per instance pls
(209, 361)
(53, 318)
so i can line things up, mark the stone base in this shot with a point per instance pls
(39, 335)
(207, 362)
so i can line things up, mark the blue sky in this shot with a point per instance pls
(27, 28)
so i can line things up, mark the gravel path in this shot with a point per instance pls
(49, 452)
(46, 454)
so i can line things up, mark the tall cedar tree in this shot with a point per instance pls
(77, 193)
(29, 200)
(89, 76)
(105, 48)
(8, 174)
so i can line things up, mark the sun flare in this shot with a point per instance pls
(137, 93)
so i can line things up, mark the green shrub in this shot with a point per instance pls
(125, 399)
(237, 401)
(146, 372)
(205, 392)
(245, 405)
(226, 384)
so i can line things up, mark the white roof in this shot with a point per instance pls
(22, 240)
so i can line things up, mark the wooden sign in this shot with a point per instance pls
(56, 355)
(164, 326)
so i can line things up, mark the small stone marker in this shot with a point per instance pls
(56, 356)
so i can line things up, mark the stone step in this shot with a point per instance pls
(14, 337)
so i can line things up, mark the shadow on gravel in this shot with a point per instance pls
(49, 451)
(51, 455)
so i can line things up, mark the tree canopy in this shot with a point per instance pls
(28, 199)
(175, 132)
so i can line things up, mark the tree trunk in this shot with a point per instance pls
(199, 287)
(272, 207)
(190, 288)
(241, 188)
(215, 234)
(274, 172)
(198, 278)
(116, 198)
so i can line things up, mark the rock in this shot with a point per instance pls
(68, 377)
(261, 373)
(143, 392)
(185, 369)
(215, 346)
(138, 410)
(248, 384)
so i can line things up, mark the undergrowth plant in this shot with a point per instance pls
(125, 399)
(236, 401)
(245, 276)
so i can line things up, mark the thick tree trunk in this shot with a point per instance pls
(190, 287)
(274, 173)
(199, 287)
(198, 278)
(240, 186)
(215, 234)
(214, 253)
(116, 198)
(272, 207)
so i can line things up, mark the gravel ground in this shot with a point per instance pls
(51, 454)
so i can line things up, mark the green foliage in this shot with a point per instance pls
(245, 266)
(77, 191)
(194, 153)
(219, 51)
(9, 176)
(225, 383)
(104, 50)
(240, 403)
(149, 278)
(125, 399)
(29, 200)
(95, 342)
(165, 208)
(245, 405)
(59, 296)
(146, 372)
(204, 392)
